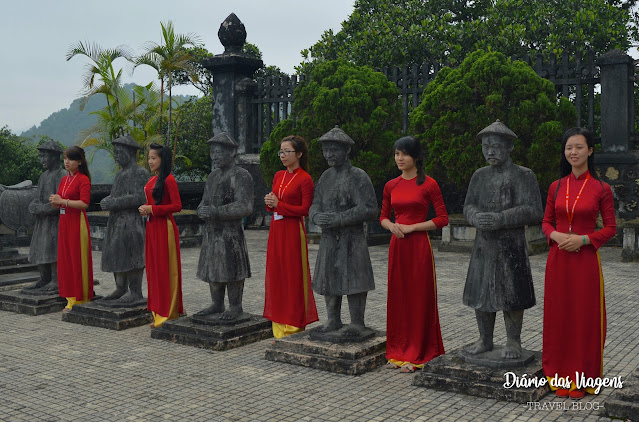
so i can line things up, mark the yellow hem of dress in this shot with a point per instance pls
(283, 330)
(72, 302)
(401, 363)
(573, 386)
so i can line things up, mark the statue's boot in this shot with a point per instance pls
(334, 312)
(121, 284)
(52, 286)
(134, 281)
(235, 290)
(217, 299)
(514, 321)
(357, 308)
(45, 277)
(486, 326)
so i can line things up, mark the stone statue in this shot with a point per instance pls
(44, 242)
(227, 199)
(344, 199)
(123, 247)
(502, 199)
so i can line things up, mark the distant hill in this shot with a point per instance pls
(65, 125)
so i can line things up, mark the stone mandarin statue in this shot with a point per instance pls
(123, 247)
(344, 199)
(44, 242)
(227, 199)
(502, 199)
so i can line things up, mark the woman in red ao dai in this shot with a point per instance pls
(574, 302)
(162, 241)
(413, 332)
(288, 299)
(75, 264)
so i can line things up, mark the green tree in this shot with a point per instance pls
(20, 158)
(168, 57)
(485, 87)
(361, 101)
(192, 160)
(396, 32)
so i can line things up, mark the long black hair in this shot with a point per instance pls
(411, 146)
(76, 153)
(166, 164)
(299, 145)
(564, 166)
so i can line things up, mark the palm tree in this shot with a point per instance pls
(101, 66)
(168, 57)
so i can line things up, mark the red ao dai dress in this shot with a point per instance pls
(574, 302)
(288, 299)
(75, 264)
(413, 334)
(162, 253)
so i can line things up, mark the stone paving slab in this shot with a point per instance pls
(55, 371)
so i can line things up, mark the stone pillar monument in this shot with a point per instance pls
(233, 85)
(618, 162)
(233, 111)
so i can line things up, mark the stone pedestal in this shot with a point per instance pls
(450, 372)
(624, 403)
(31, 304)
(342, 358)
(96, 314)
(16, 269)
(210, 332)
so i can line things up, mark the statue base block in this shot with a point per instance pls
(353, 358)
(624, 403)
(95, 314)
(340, 336)
(450, 372)
(210, 332)
(29, 304)
(9, 281)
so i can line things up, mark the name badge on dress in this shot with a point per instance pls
(276, 216)
(63, 211)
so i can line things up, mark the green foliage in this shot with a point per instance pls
(395, 32)
(196, 119)
(169, 57)
(362, 102)
(20, 158)
(203, 80)
(485, 87)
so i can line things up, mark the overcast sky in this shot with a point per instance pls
(36, 80)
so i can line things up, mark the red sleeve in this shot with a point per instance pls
(85, 190)
(548, 224)
(386, 202)
(607, 210)
(438, 203)
(171, 192)
(288, 210)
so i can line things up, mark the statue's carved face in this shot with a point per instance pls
(335, 153)
(496, 149)
(122, 155)
(49, 159)
(222, 156)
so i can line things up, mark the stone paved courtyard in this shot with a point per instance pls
(56, 371)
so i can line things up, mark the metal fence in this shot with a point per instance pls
(577, 77)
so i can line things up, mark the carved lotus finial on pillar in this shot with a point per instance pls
(232, 34)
